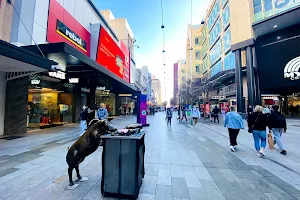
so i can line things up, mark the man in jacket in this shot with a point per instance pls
(102, 112)
(277, 123)
(215, 113)
(169, 115)
(234, 122)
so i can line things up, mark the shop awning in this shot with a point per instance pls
(17, 59)
(80, 65)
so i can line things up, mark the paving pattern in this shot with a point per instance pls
(181, 164)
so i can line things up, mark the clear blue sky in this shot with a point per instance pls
(144, 18)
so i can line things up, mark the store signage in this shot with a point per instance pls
(70, 35)
(58, 74)
(35, 82)
(142, 118)
(88, 90)
(100, 88)
(63, 27)
(281, 3)
(73, 80)
(126, 52)
(110, 56)
(218, 97)
(125, 95)
(292, 69)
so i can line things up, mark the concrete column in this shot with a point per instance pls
(2, 101)
(257, 90)
(16, 106)
(239, 81)
(77, 103)
(250, 76)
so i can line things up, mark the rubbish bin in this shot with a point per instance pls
(122, 165)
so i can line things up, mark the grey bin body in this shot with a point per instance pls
(122, 165)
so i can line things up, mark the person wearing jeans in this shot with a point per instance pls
(257, 123)
(277, 124)
(234, 122)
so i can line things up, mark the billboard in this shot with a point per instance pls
(126, 62)
(63, 27)
(110, 56)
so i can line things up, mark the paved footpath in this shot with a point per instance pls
(181, 164)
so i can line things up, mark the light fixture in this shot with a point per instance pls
(275, 26)
(278, 38)
(164, 51)
(162, 26)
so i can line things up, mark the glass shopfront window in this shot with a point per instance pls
(215, 33)
(214, 14)
(226, 40)
(229, 61)
(225, 17)
(48, 108)
(216, 69)
(267, 8)
(215, 52)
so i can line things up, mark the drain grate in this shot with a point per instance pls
(12, 137)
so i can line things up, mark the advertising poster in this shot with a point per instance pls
(109, 55)
(126, 62)
(143, 107)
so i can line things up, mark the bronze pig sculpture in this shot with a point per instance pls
(86, 145)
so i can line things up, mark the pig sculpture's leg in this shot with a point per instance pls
(77, 171)
(70, 170)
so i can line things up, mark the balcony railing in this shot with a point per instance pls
(228, 90)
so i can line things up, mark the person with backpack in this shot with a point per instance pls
(257, 123)
(277, 124)
(169, 115)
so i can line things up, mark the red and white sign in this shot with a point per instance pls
(126, 62)
(110, 56)
(63, 27)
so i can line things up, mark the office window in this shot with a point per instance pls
(197, 42)
(216, 69)
(215, 52)
(224, 2)
(268, 5)
(197, 55)
(197, 68)
(214, 14)
(226, 40)
(225, 17)
(215, 33)
(229, 61)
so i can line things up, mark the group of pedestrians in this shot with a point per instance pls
(258, 121)
(86, 115)
(194, 112)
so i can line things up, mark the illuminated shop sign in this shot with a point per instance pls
(70, 35)
(58, 74)
(218, 97)
(73, 80)
(35, 82)
(88, 90)
(292, 69)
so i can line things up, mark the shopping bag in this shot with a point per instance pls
(270, 141)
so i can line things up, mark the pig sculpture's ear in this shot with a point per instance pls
(110, 118)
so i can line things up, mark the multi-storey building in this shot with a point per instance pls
(182, 72)
(156, 85)
(147, 81)
(90, 63)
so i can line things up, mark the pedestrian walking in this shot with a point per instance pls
(223, 112)
(83, 117)
(277, 125)
(179, 113)
(169, 115)
(215, 113)
(196, 116)
(257, 123)
(234, 122)
(184, 114)
(102, 112)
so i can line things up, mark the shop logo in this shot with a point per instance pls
(144, 112)
(35, 82)
(58, 74)
(281, 3)
(68, 34)
(292, 69)
(119, 63)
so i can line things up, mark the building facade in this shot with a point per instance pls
(147, 82)
(182, 72)
(156, 85)
(77, 37)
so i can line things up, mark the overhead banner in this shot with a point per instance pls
(125, 50)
